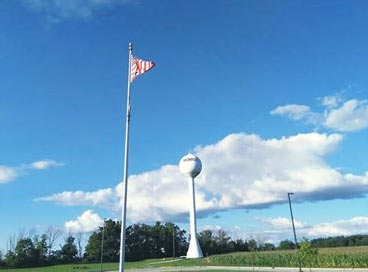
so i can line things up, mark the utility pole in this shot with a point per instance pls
(292, 222)
(173, 241)
(102, 244)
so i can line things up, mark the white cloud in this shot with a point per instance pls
(332, 101)
(280, 228)
(44, 164)
(351, 115)
(293, 111)
(86, 222)
(213, 228)
(240, 171)
(57, 10)
(356, 225)
(102, 197)
(8, 174)
(281, 223)
(235, 232)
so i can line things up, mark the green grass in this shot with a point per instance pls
(106, 266)
(328, 257)
(348, 257)
(66, 268)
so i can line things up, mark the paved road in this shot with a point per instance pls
(232, 268)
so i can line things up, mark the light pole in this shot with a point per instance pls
(292, 222)
(173, 241)
(102, 243)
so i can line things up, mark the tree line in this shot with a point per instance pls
(341, 241)
(143, 241)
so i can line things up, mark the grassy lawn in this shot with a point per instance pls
(333, 255)
(66, 268)
(167, 262)
(107, 266)
(87, 268)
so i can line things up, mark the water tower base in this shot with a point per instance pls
(194, 251)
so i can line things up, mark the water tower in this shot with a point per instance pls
(191, 166)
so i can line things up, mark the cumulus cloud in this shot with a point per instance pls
(281, 223)
(8, 173)
(239, 171)
(102, 197)
(276, 229)
(338, 115)
(356, 225)
(351, 116)
(280, 228)
(86, 222)
(57, 10)
(44, 164)
(293, 111)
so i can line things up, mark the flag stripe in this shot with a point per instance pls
(139, 67)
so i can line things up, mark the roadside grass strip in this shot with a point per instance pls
(345, 258)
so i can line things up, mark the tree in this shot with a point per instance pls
(25, 253)
(1, 259)
(142, 242)
(268, 246)
(241, 245)
(111, 240)
(260, 242)
(207, 242)
(22, 233)
(286, 244)
(252, 244)
(92, 251)
(219, 243)
(9, 259)
(79, 240)
(307, 254)
(341, 241)
(52, 234)
(32, 233)
(41, 249)
(12, 240)
(222, 241)
(156, 241)
(69, 250)
(111, 243)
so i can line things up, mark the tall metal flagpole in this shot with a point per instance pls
(125, 181)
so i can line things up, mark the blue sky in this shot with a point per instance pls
(271, 96)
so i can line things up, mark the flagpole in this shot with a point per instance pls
(125, 181)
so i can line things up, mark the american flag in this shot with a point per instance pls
(139, 67)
